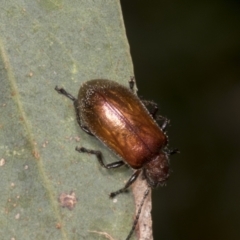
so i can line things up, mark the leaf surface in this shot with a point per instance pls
(43, 44)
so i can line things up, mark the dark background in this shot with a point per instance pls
(186, 56)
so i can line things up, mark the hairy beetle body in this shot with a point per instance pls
(118, 118)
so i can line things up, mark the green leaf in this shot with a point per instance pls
(43, 44)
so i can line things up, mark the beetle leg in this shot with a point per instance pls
(65, 93)
(138, 213)
(173, 151)
(165, 121)
(132, 83)
(127, 185)
(153, 113)
(99, 157)
(153, 105)
(164, 124)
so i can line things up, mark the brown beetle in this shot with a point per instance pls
(117, 117)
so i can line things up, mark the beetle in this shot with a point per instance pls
(118, 118)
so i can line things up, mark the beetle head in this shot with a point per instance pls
(156, 171)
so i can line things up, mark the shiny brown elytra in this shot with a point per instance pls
(117, 117)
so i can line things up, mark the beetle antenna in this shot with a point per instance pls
(138, 213)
